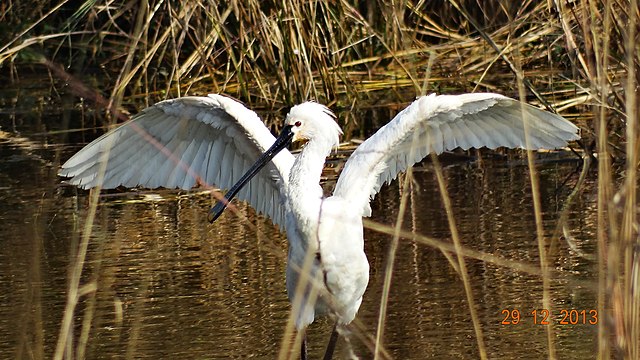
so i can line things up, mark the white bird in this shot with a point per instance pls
(213, 140)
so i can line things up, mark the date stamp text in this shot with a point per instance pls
(545, 317)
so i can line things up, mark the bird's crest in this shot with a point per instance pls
(314, 121)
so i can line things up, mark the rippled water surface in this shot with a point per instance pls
(161, 282)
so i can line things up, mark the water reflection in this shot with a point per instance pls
(169, 285)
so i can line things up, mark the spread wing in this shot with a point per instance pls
(437, 123)
(180, 142)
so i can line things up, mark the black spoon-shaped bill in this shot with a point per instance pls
(282, 141)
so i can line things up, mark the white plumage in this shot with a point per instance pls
(216, 139)
(444, 122)
(177, 143)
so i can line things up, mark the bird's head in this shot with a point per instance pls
(312, 121)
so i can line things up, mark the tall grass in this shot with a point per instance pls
(272, 55)
(579, 57)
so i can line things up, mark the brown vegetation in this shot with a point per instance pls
(580, 58)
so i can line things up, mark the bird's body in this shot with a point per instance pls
(333, 240)
(215, 139)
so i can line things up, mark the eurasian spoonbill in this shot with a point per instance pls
(213, 140)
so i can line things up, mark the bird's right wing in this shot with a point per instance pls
(180, 142)
(437, 123)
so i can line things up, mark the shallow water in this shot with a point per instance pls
(170, 285)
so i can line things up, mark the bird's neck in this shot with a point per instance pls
(304, 179)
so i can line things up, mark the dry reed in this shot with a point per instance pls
(579, 57)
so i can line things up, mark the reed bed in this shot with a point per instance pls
(349, 53)
(580, 58)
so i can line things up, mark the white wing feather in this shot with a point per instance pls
(176, 143)
(437, 123)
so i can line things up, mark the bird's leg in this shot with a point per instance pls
(333, 339)
(303, 346)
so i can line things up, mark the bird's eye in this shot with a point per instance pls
(298, 123)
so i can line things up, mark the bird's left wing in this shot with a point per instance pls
(180, 142)
(437, 123)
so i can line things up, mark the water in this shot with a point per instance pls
(170, 285)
